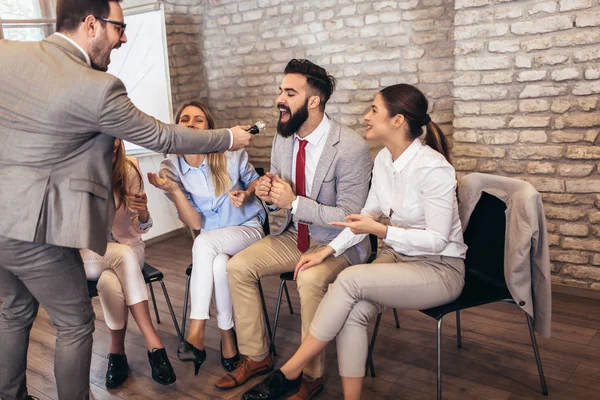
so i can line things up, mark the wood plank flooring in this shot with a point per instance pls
(495, 362)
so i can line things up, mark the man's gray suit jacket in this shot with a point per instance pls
(58, 120)
(340, 185)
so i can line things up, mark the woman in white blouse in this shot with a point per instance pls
(121, 285)
(422, 262)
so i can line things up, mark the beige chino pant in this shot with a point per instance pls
(362, 291)
(120, 280)
(274, 255)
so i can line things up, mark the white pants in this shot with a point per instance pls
(120, 280)
(211, 252)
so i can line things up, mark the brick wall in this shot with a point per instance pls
(526, 103)
(514, 84)
(184, 19)
(366, 45)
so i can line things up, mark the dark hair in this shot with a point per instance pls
(71, 13)
(316, 77)
(411, 102)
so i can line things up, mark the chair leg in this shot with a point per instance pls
(287, 296)
(277, 309)
(536, 352)
(185, 305)
(396, 318)
(370, 364)
(439, 359)
(266, 314)
(458, 334)
(173, 317)
(154, 302)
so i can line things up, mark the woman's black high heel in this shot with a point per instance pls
(230, 363)
(187, 352)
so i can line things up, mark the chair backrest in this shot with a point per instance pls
(485, 235)
(374, 247)
(266, 227)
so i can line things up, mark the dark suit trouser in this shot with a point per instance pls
(32, 274)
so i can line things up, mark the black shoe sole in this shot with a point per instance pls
(163, 382)
(114, 385)
(290, 392)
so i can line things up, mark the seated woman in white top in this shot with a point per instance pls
(213, 193)
(121, 285)
(422, 263)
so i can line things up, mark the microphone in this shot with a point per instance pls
(257, 128)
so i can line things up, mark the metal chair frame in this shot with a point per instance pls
(501, 294)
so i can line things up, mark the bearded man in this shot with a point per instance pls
(320, 172)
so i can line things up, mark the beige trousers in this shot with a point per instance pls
(362, 291)
(274, 255)
(120, 280)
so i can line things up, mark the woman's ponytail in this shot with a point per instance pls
(435, 139)
(411, 102)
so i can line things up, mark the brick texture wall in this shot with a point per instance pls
(184, 19)
(526, 105)
(514, 84)
(366, 45)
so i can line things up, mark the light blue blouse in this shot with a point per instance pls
(197, 185)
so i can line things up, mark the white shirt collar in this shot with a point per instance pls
(407, 155)
(319, 133)
(74, 43)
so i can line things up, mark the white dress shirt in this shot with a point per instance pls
(74, 43)
(314, 148)
(418, 193)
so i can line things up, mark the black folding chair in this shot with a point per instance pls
(151, 275)
(370, 365)
(286, 276)
(484, 276)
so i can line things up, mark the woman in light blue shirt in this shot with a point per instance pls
(213, 193)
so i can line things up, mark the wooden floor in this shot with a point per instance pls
(495, 362)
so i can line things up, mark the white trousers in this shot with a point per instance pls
(211, 252)
(120, 280)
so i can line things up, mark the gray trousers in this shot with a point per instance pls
(32, 274)
(362, 291)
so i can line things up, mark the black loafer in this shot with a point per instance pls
(118, 370)
(273, 387)
(162, 371)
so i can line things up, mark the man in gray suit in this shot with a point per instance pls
(59, 113)
(320, 172)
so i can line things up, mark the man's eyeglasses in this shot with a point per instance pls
(121, 25)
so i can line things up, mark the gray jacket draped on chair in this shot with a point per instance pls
(526, 252)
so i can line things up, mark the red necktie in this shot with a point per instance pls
(301, 191)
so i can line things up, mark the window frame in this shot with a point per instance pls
(47, 21)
